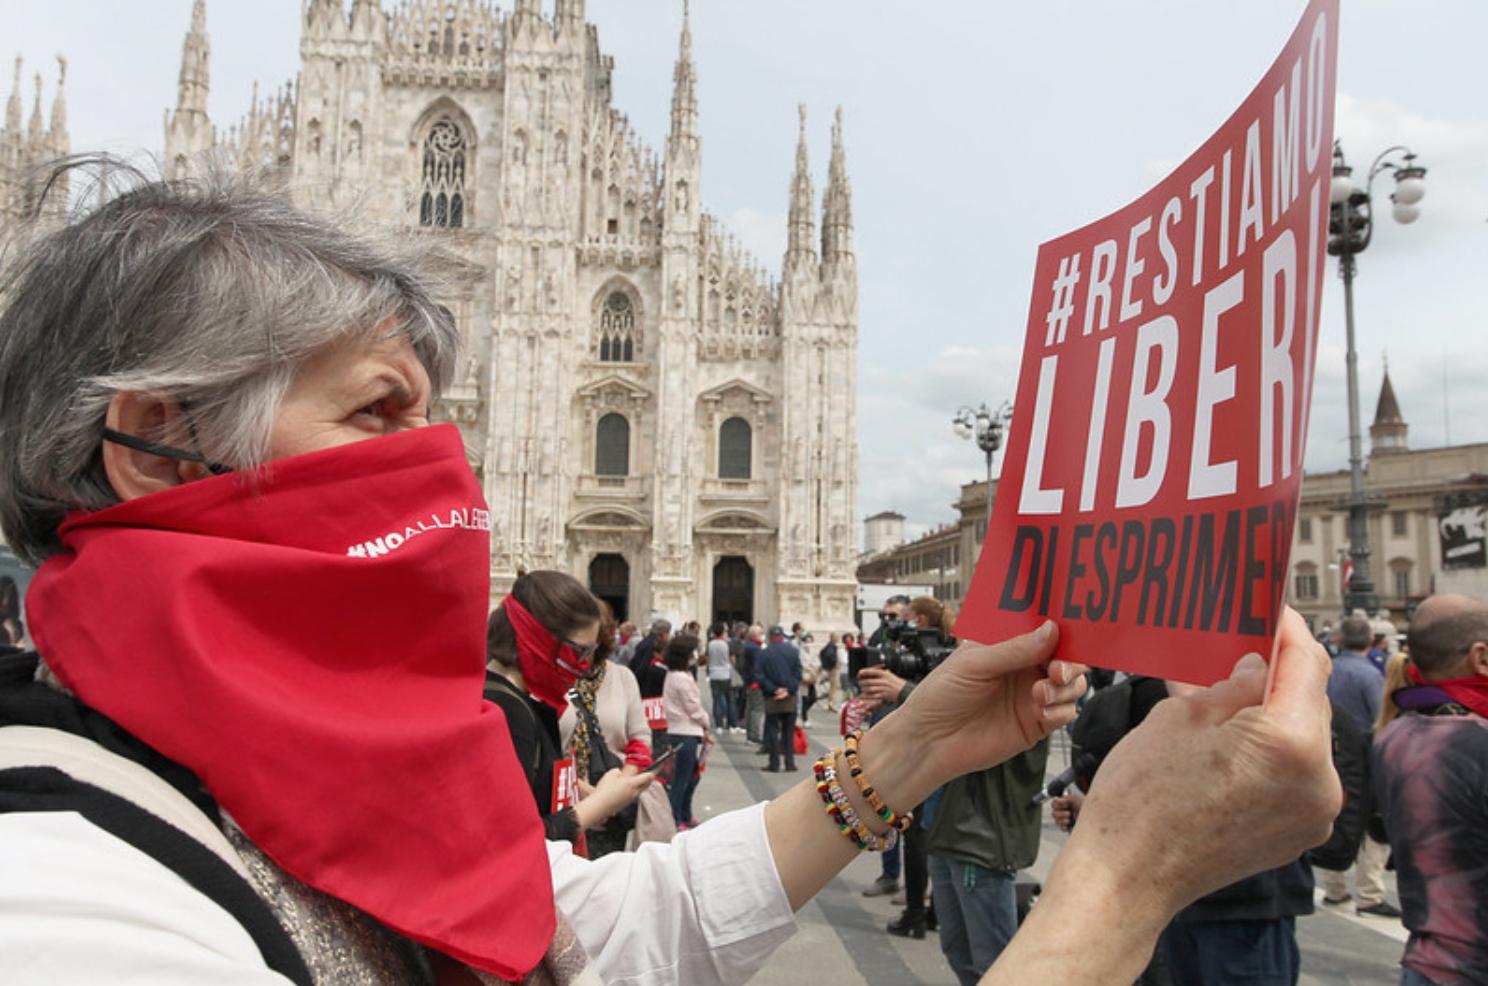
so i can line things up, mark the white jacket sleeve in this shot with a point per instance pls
(706, 909)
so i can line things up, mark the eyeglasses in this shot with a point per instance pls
(582, 651)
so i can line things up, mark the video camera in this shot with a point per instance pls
(916, 651)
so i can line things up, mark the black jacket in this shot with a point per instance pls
(534, 733)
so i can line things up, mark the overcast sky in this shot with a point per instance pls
(974, 132)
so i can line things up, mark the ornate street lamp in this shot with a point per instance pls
(986, 428)
(1350, 225)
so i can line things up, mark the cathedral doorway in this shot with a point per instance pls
(609, 579)
(733, 589)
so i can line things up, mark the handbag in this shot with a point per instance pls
(602, 760)
(778, 705)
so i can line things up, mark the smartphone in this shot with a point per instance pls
(859, 658)
(660, 761)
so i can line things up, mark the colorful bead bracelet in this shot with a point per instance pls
(896, 822)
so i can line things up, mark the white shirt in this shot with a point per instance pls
(78, 905)
(719, 664)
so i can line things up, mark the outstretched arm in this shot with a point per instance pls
(1213, 786)
(981, 706)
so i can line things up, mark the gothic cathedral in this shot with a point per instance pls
(647, 407)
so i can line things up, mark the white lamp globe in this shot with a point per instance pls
(1409, 190)
(1405, 212)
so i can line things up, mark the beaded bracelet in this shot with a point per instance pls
(840, 809)
(896, 822)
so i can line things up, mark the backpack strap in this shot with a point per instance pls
(49, 770)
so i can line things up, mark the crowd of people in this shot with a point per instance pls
(260, 738)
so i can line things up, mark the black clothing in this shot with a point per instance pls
(651, 677)
(645, 649)
(535, 736)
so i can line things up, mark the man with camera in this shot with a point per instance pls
(894, 611)
(973, 835)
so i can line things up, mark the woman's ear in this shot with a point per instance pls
(134, 473)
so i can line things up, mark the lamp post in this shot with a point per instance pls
(1350, 225)
(986, 428)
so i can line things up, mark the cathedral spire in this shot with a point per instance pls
(799, 247)
(58, 132)
(366, 19)
(684, 85)
(570, 15)
(1388, 432)
(192, 84)
(527, 10)
(34, 131)
(188, 131)
(325, 17)
(837, 203)
(13, 105)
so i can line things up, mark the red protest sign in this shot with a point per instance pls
(1150, 486)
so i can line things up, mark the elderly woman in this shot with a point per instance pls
(254, 750)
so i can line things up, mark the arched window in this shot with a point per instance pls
(612, 446)
(735, 439)
(617, 329)
(442, 183)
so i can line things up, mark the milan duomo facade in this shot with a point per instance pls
(648, 409)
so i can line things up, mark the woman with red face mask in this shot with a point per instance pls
(540, 641)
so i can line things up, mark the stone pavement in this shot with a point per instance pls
(841, 940)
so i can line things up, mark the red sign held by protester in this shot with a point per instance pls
(1150, 486)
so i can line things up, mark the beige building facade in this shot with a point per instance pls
(648, 408)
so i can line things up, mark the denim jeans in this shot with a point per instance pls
(1231, 953)
(978, 914)
(1410, 977)
(891, 859)
(684, 781)
(722, 713)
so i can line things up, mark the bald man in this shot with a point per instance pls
(1431, 780)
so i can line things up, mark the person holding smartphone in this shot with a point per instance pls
(539, 642)
(604, 707)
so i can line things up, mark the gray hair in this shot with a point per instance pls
(1354, 633)
(202, 290)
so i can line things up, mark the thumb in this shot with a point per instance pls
(1026, 650)
(1302, 669)
(1244, 688)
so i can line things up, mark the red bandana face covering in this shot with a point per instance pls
(310, 640)
(549, 668)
